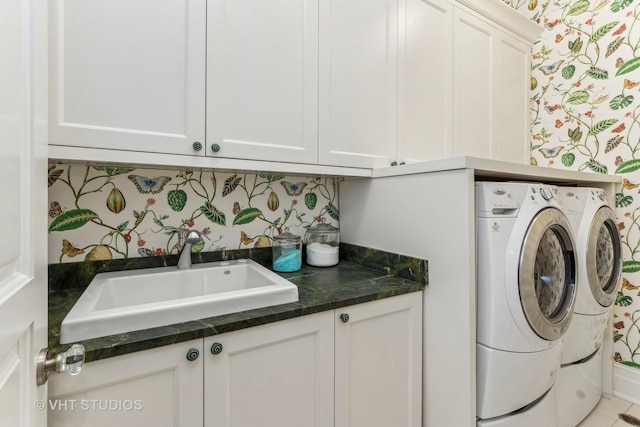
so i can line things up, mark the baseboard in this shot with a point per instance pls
(626, 383)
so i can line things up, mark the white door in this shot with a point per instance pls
(23, 284)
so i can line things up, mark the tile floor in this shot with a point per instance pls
(605, 414)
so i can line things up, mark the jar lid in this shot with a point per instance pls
(287, 237)
(322, 228)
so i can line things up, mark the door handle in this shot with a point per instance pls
(70, 361)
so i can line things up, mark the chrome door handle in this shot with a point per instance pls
(70, 361)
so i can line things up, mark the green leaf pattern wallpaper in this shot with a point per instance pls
(102, 213)
(585, 116)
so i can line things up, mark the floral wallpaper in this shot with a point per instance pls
(585, 116)
(99, 212)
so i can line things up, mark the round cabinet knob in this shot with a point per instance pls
(344, 317)
(192, 354)
(216, 348)
(197, 146)
(215, 147)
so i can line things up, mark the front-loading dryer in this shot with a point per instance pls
(599, 250)
(526, 289)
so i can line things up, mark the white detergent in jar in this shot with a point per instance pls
(322, 255)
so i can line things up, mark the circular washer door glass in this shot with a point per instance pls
(603, 263)
(550, 274)
(605, 257)
(547, 274)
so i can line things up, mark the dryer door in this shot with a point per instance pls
(604, 257)
(547, 274)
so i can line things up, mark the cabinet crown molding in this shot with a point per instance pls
(504, 16)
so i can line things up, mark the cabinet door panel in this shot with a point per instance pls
(425, 77)
(157, 387)
(128, 74)
(378, 363)
(358, 78)
(262, 79)
(512, 123)
(473, 86)
(279, 374)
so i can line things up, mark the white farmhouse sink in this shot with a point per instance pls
(125, 301)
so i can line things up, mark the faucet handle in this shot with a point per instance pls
(192, 236)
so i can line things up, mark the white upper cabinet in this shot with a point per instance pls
(127, 74)
(358, 82)
(464, 81)
(425, 81)
(346, 84)
(491, 90)
(262, 79)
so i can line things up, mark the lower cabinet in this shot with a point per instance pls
(356, 366)
(158, 387)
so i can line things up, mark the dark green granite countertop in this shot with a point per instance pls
(319, 289)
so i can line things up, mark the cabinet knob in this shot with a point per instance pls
(71, 361)
(216, 348)
(193, 354)
(215, 147)
(197, 146)
(344, 317)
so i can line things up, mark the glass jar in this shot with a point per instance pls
(322, 244)
(287, 252)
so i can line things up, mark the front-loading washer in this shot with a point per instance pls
(599, 250)
(526, 289)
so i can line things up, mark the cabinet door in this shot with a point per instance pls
(279, 374)
(378, 363)
(425, 81)
(511, 118)
(358, 82)
(157, 387)
(128, 74)
(262, 79)
(491, 91)
(473, 86)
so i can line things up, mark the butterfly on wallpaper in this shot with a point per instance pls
(550, 69)
(617, 357)
(69, 250)
(244, 239)
(619, 62)
(628, 285)
(551, 152)
(149, 185)
(549, 109)
(550, 25)
(628, 84)
(618, 161)
(236, 208)
(628, 185)
(293, 189)
(55, 210)
(621, 226)
(559, 123)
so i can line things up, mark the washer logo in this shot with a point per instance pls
(495, 227)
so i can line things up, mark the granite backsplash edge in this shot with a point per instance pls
(78, 275)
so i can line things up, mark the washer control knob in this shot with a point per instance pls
(546, 193)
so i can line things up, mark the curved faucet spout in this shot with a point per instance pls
(191, 237)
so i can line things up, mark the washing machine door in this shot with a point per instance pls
(604, 257)
(547, 274)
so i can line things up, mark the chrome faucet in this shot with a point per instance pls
(186, 238)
